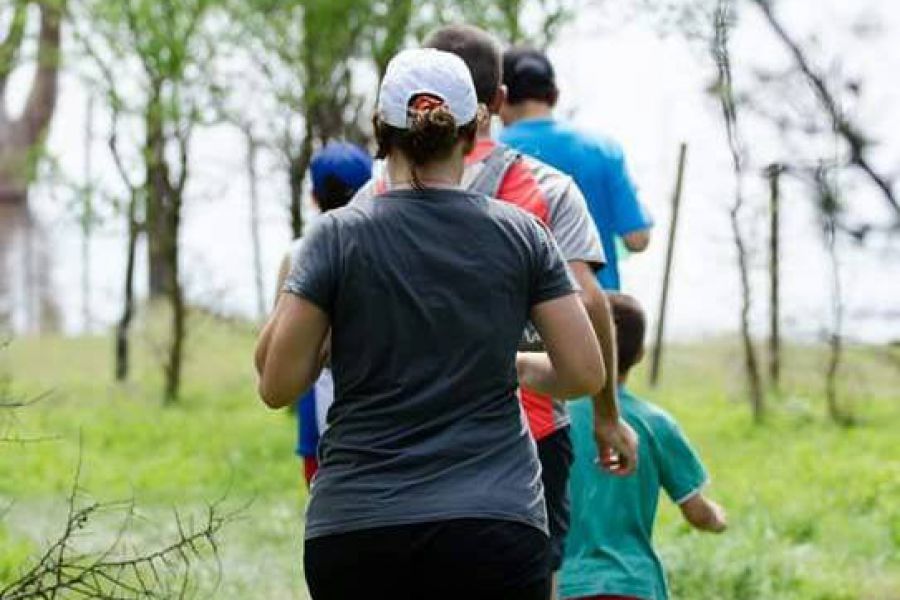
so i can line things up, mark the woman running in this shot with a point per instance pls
(429, 484)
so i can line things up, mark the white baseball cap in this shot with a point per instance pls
(428, 71)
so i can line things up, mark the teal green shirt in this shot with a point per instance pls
(609, 549)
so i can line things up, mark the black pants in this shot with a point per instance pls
(555, 453)
(464, 559)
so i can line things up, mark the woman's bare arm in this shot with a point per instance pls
(572, 365)
(288, 353)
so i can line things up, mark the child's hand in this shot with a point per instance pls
(617, 445)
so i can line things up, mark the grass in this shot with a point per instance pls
(814, 508)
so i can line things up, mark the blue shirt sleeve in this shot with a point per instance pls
(628, 215)
(681, 472)
(307, 427)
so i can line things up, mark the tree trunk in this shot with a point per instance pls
(751, 364)
(176, 303)
(156, 234)
(124, 324)
(19, 137)
(299, 163)
(774, 174)
(157, 182)
(163, 222)
(835, 340)
(725, 91)
(87, 218)
(254, 226)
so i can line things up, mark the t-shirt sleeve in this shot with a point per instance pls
(629, 215)
(572, 226)
(550, 278)
(315, 263)
(682, 474)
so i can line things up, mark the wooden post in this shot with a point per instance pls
(773, 172)
(670, 250)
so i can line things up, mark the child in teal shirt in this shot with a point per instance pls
(609, 552)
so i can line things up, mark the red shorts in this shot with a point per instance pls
(310, 466)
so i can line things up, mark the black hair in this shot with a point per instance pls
(478, 49)
(432, 135)
(334, 193)
(529, 75)
(631, 325)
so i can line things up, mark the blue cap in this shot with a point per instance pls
(347, 162)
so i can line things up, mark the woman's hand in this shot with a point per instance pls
(617, 445)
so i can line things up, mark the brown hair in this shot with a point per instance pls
(479, 50)
(631, 325)
(432, 135)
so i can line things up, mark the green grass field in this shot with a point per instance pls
(814, 508)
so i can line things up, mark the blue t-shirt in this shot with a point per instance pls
(307, 428)
(598, 167)
(609, 550)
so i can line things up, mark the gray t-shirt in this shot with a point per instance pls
(427, 293)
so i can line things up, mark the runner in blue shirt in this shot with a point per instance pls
(596, 164)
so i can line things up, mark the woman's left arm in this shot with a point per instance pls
(288, 353)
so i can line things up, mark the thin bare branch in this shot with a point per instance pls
(852, 134)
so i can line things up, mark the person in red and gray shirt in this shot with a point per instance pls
(553, 197)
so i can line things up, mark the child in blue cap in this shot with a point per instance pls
(337, 171)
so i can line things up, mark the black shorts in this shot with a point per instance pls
(455, 559)
(555, 453)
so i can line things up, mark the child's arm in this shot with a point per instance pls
(683, 476)
(704, 514)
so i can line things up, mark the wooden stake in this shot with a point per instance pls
(670, 251)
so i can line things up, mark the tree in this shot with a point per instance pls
(167, 42)
(724, 88)
(313, 70)
(507, 18)
(308, 53)
(858, 142)
(21, 138)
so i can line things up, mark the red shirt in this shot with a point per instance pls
(521, 187)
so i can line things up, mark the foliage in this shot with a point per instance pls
(75, 564)
(531, 22)
(22, 136)
(170, 44)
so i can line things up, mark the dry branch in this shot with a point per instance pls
(852, 134)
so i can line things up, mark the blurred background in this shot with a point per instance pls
(153, 158)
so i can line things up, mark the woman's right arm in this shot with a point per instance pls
(288, 353)
(572, 365)
(288, 357)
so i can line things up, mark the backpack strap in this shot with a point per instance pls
(493, 170)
